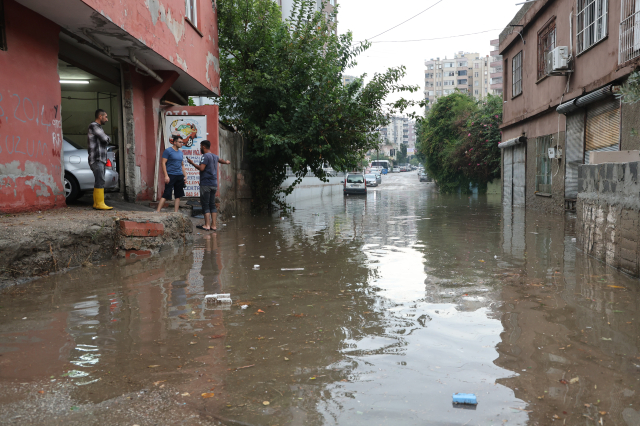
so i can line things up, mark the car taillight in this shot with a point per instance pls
(108, 163)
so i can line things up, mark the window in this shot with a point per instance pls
(448, 64)
(546, 43)
(543, 165)
(332, 2)
(449, 82)
(516, 75)
(591, 22)
(3, 35)
(460, 73)
(476, 83)
(430, 92)
(464, 81)
(476, 66)
(476, 74)
(475, 92)
(451, 73)
(462, 64)
(192, 12)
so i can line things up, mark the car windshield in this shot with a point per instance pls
(355, 179)
(370, 176)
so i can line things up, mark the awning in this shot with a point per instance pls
(512, 142)
(584, 100)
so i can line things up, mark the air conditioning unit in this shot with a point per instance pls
(557, 60)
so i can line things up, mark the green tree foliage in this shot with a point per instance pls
(282, 89)
(458, 141)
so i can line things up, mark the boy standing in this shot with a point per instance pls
(174, 173)
(208, 184)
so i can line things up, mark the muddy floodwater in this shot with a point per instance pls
(359, 310)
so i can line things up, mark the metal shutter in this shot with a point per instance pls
(519, 174)
(507, 180)
(574, 154)
(602, 131)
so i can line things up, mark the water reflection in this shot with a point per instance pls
(362, 310)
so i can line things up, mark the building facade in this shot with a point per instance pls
(130, 58)
(556, 116)
(400, 130)
(495, 69)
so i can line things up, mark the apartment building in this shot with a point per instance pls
(558, 112)
(495, 69)
(348, 79)
(287, 7)
(400, 130)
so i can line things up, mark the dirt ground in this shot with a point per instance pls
(43, 242)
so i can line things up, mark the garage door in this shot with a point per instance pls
(602, 132)
(514, 175)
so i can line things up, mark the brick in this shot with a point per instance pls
(137, 253)
(141, 229)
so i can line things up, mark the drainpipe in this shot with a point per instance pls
(159, 79)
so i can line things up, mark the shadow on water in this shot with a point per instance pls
(354, 310)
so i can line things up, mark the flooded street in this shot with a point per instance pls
(359, 310)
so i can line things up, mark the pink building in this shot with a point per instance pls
(60, 60)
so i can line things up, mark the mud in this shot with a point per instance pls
(361, 310)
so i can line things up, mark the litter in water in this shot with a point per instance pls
(292, 269)
(465, 398)
(218, 298)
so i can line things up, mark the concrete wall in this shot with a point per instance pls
(30, 125)
(608, 210)
(312, 188)
(234, 183)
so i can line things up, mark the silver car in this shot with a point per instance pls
(78, 176)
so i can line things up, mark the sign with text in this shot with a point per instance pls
(193, 129)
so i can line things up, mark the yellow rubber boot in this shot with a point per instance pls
(98, 196)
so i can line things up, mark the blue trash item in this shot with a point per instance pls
(465, 398)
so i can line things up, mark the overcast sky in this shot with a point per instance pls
(366, 18)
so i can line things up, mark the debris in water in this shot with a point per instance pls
(465, 398)
(218, 298)
(207, 395)
(292, 269)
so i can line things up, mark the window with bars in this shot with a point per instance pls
(546, 43)
(3, 34)
(543, 165)
(516, 75)
(629, 47)
(591, 23)
(192, 11)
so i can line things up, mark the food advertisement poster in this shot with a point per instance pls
(193, 129)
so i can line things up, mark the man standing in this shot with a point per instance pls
(174, 173)
(208, 184)
(97, 142)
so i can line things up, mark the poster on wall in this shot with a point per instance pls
(193, 129)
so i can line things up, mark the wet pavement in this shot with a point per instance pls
(360, 310)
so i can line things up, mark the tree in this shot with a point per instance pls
(458, 141)
(282, 90)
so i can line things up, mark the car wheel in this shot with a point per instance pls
(71, 187)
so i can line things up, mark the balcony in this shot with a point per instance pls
(496, 74)
(495, 64)
(494, 53)
(495, 42)
(497, 86)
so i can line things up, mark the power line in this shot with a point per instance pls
(437, 38)
(439, 1)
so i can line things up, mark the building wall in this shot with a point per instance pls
(593, 68)
(608, 210)
(555, 202)
(162, 27)
(30, 127)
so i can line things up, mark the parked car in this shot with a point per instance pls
(423, 177)
(354, 183)
(371, 179)
(378, 175)
(396, 170)
(78, 176)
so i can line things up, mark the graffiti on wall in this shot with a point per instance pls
(21, 111)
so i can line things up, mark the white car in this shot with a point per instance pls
(78, 176)
(396, 170)
(354, 183)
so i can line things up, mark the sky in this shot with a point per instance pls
(367, 18)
